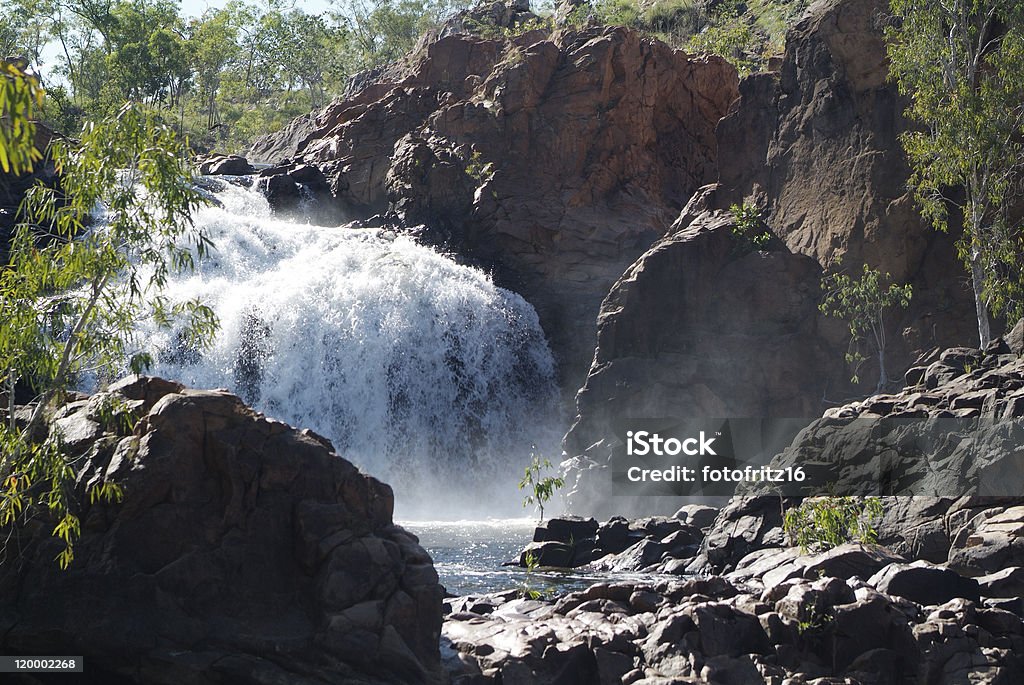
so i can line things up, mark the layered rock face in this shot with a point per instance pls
(816, 146)
(554, 158)
(244, 551)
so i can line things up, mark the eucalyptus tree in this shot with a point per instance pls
(961, 62)
(76, 285)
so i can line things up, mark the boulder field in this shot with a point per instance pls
(725, 596)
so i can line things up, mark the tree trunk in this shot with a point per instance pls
(883, 377)
(977, 284)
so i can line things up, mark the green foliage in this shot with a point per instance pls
(672, 21)
(747, 33)
(492, 31)
(477, 169)
(749, 228)
(862, 303)
(69, 303)
(821, 523)
(962, 64)
(539, 489)
(731, 35)
(237, 71)
(20, 98)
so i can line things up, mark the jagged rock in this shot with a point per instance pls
(743, 526)
(994, 542)
(639, 556)
(924, 583)
(243, 551)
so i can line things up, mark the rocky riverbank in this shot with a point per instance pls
(856, 615)
(730, 598)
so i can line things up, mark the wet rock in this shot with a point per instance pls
(566, 529)
(224, 165)
(550, 553)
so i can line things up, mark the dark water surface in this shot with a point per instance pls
(468, 556)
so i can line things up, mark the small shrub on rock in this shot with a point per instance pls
(821, 523)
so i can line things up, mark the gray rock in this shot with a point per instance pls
(1009, 582)
(848, 560)
(1015, 339)
(238, 538)
(924, 583)
(552, 554)
(567, 529)
(697, 515)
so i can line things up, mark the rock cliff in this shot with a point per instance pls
(244, 551)
(814, 146)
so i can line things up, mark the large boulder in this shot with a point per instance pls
(244, 551)
(699, 327)
(924, 583)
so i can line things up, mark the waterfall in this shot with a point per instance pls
(420, 370)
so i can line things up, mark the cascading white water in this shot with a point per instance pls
(420, 370)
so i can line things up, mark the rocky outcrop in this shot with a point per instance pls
(816, 146)
(244, 551)
(951, 439)
(555, 158)
(701, 325)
